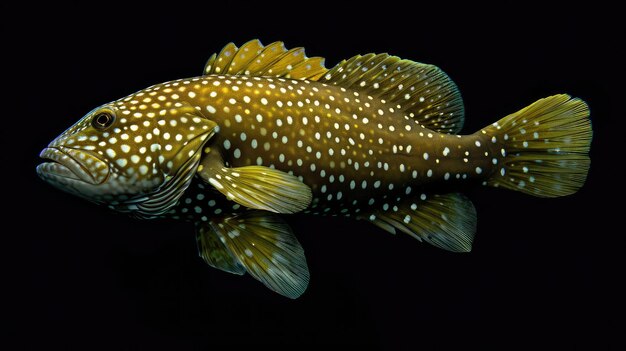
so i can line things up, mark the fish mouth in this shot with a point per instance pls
(72, 165)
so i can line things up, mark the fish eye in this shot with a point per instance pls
(102, 120)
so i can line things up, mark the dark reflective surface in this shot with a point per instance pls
(543, 271)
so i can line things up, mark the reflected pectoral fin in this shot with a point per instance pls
(261, 243)
(256, 187)
(214, 252)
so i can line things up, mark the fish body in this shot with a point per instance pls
(335, 142)
(268, 131)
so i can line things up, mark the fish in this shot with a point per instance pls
(266, 131)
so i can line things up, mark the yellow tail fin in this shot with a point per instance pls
(545, 147)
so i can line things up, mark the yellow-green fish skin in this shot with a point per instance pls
(132, 158)
(345, 145)
(267, 131)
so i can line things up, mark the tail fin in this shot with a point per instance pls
(545, 147)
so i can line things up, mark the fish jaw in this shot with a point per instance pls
(72, 170)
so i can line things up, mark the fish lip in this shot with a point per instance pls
(63, 165)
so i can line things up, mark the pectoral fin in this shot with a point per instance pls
(256, 187)
(263, 244)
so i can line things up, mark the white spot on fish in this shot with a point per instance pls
(111, 153)
(215, 183)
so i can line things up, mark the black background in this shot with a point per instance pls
(543, 272)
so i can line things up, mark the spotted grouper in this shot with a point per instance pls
(268, 131)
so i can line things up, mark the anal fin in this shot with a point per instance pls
(446, 221)
(261, 243)
(256, 187)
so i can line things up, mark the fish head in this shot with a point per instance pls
(130, 157)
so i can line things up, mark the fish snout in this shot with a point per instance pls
(72, 164)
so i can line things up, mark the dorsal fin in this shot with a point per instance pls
(274, 60)
(423, 91)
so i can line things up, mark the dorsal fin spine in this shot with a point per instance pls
(273, 60)
(224, 58)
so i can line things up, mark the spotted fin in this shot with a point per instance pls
(274, 60)
(447, 221)
(545, 147)
(214, 252)
(265, 245)
(423, 92)
(256, 187)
